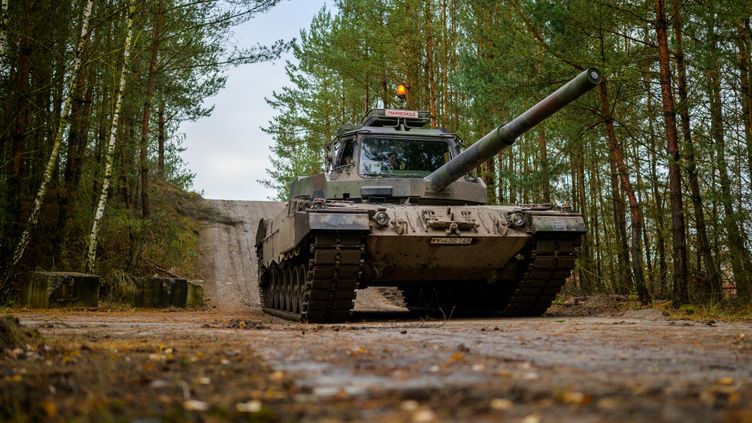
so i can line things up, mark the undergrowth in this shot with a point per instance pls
(167, 244)
(725, 310)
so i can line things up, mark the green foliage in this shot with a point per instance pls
(192, 53)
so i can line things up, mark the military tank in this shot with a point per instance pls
(398, 206)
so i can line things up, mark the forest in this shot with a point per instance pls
(92, 94)
(658, 159)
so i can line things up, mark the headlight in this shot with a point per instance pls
(517, 220)
(381, 218)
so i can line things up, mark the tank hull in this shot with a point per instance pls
(458, 257)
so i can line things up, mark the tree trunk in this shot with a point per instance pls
(52, 162)
(623, 276)
(741, 263)
(743, 41)
(428, 14)
(151, 76)
(79, 117)
(511, 176)
(617, 155)
(110, 155)
(489, 177)
(678, 238)
(15, 166)
(703, 245)
(3, 28)
(500, 183)
(444, 67)
(586, 257)
(660, 289)
(640, 191)
(545, 177)
(161, 135)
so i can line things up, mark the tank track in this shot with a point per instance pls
(551, 262)
(317, 286)
(541, 275)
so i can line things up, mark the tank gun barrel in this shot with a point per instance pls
(505, 135)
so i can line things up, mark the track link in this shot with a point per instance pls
(551, 262)
(319, 287)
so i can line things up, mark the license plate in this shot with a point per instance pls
(452, 241)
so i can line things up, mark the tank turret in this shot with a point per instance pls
(505, 135)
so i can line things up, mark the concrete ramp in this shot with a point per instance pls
(228, 254)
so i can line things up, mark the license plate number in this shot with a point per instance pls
(452, 241)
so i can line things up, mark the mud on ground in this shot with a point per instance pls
(232, 362)
(209, 366)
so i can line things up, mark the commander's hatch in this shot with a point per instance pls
(396, 117)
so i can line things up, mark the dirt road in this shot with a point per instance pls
(390, 366)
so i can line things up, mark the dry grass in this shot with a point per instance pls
(725, 311)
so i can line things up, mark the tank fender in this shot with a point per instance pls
(557, 224)
(306, 222)
(338, 221)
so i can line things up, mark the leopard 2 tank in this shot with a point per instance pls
(397, 206)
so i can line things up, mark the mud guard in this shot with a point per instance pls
(338, 221)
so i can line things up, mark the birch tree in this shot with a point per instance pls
(3, 27)
(52, 161)
(92, 251)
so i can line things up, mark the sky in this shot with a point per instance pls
(227, 150)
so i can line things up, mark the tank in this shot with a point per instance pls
(398, 205)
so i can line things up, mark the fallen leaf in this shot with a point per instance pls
(358, 351)
(501, 404)
(608, 403)
(456, 357)
(195, 405)
(253, 406)
(530, 376)
(158, 384)
(424, 416)
(49, 407)
(277, 376)
(575, 398)
(409, 405)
